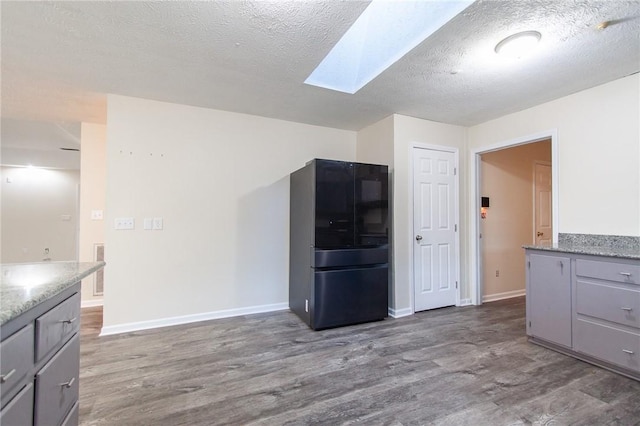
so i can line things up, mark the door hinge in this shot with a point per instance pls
(528, 264)
(456, 284)
(529, 324)
(455, 228)
(455, 171)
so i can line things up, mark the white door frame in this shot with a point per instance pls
(455, 152)
(475, 261)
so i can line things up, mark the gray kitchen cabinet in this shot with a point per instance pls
(16, 362)
(607, 314)
(40, 366)
(549, 298)
(586, 306)
(19, 411)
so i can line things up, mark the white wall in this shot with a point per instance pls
(39, 210)
(220, 181)
(599, 154)
(92, 197)
(407, 131)
(507, 179)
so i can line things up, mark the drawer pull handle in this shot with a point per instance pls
(627, 309)
(69, 383)
(626, 274)
(627, 351)
(69, 321)
(5, 377)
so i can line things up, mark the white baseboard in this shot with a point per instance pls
(91, 303)
(186, 319)
(505, 295)
(399, 313)
(465, 302)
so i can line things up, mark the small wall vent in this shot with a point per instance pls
(98, 280)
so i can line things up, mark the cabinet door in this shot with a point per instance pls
(19, 412)
(550, 298)
(57, 385)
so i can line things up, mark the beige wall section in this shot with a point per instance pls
(599, 154)
(39, 210)
(407, 131)
(220, 181)
(507, 179)
(92, 197)
(375, 145)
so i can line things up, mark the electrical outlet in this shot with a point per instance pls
(97, 215)
(123, 223)
(157, 223)
(497, 272)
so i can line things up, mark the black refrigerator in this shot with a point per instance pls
(339, 243)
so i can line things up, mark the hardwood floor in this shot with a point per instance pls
(452, 366)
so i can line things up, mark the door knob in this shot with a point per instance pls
(418, 237)
(539, 234)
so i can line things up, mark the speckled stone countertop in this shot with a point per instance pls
(626, 247)
(622, 252)
(24, 285)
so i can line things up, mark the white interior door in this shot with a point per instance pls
(435, 227)
(542, 228)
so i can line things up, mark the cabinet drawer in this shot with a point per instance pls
(57, 384)
(610, 344)
(55, 327)
(611, 271)
(16, 354)
(19, 412)
(72, 417)
(614, 304)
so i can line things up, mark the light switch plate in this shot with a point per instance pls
(124, 223)
(148, 223)
(157, 223)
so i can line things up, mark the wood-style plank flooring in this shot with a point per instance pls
(452, 366)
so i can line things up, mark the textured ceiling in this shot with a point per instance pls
(59, 59)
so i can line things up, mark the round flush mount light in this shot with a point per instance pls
(519, 44)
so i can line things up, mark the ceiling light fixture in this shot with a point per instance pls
(382, 34)
(519, 44)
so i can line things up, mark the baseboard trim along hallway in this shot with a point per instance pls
(92, 303)
(502, 296)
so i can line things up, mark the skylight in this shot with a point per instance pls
(385, 32)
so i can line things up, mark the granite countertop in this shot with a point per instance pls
(622, 252)
(24, 285)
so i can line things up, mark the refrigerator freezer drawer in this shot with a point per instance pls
(349, 296)
(349, 257)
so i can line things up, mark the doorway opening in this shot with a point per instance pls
(510, 178)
